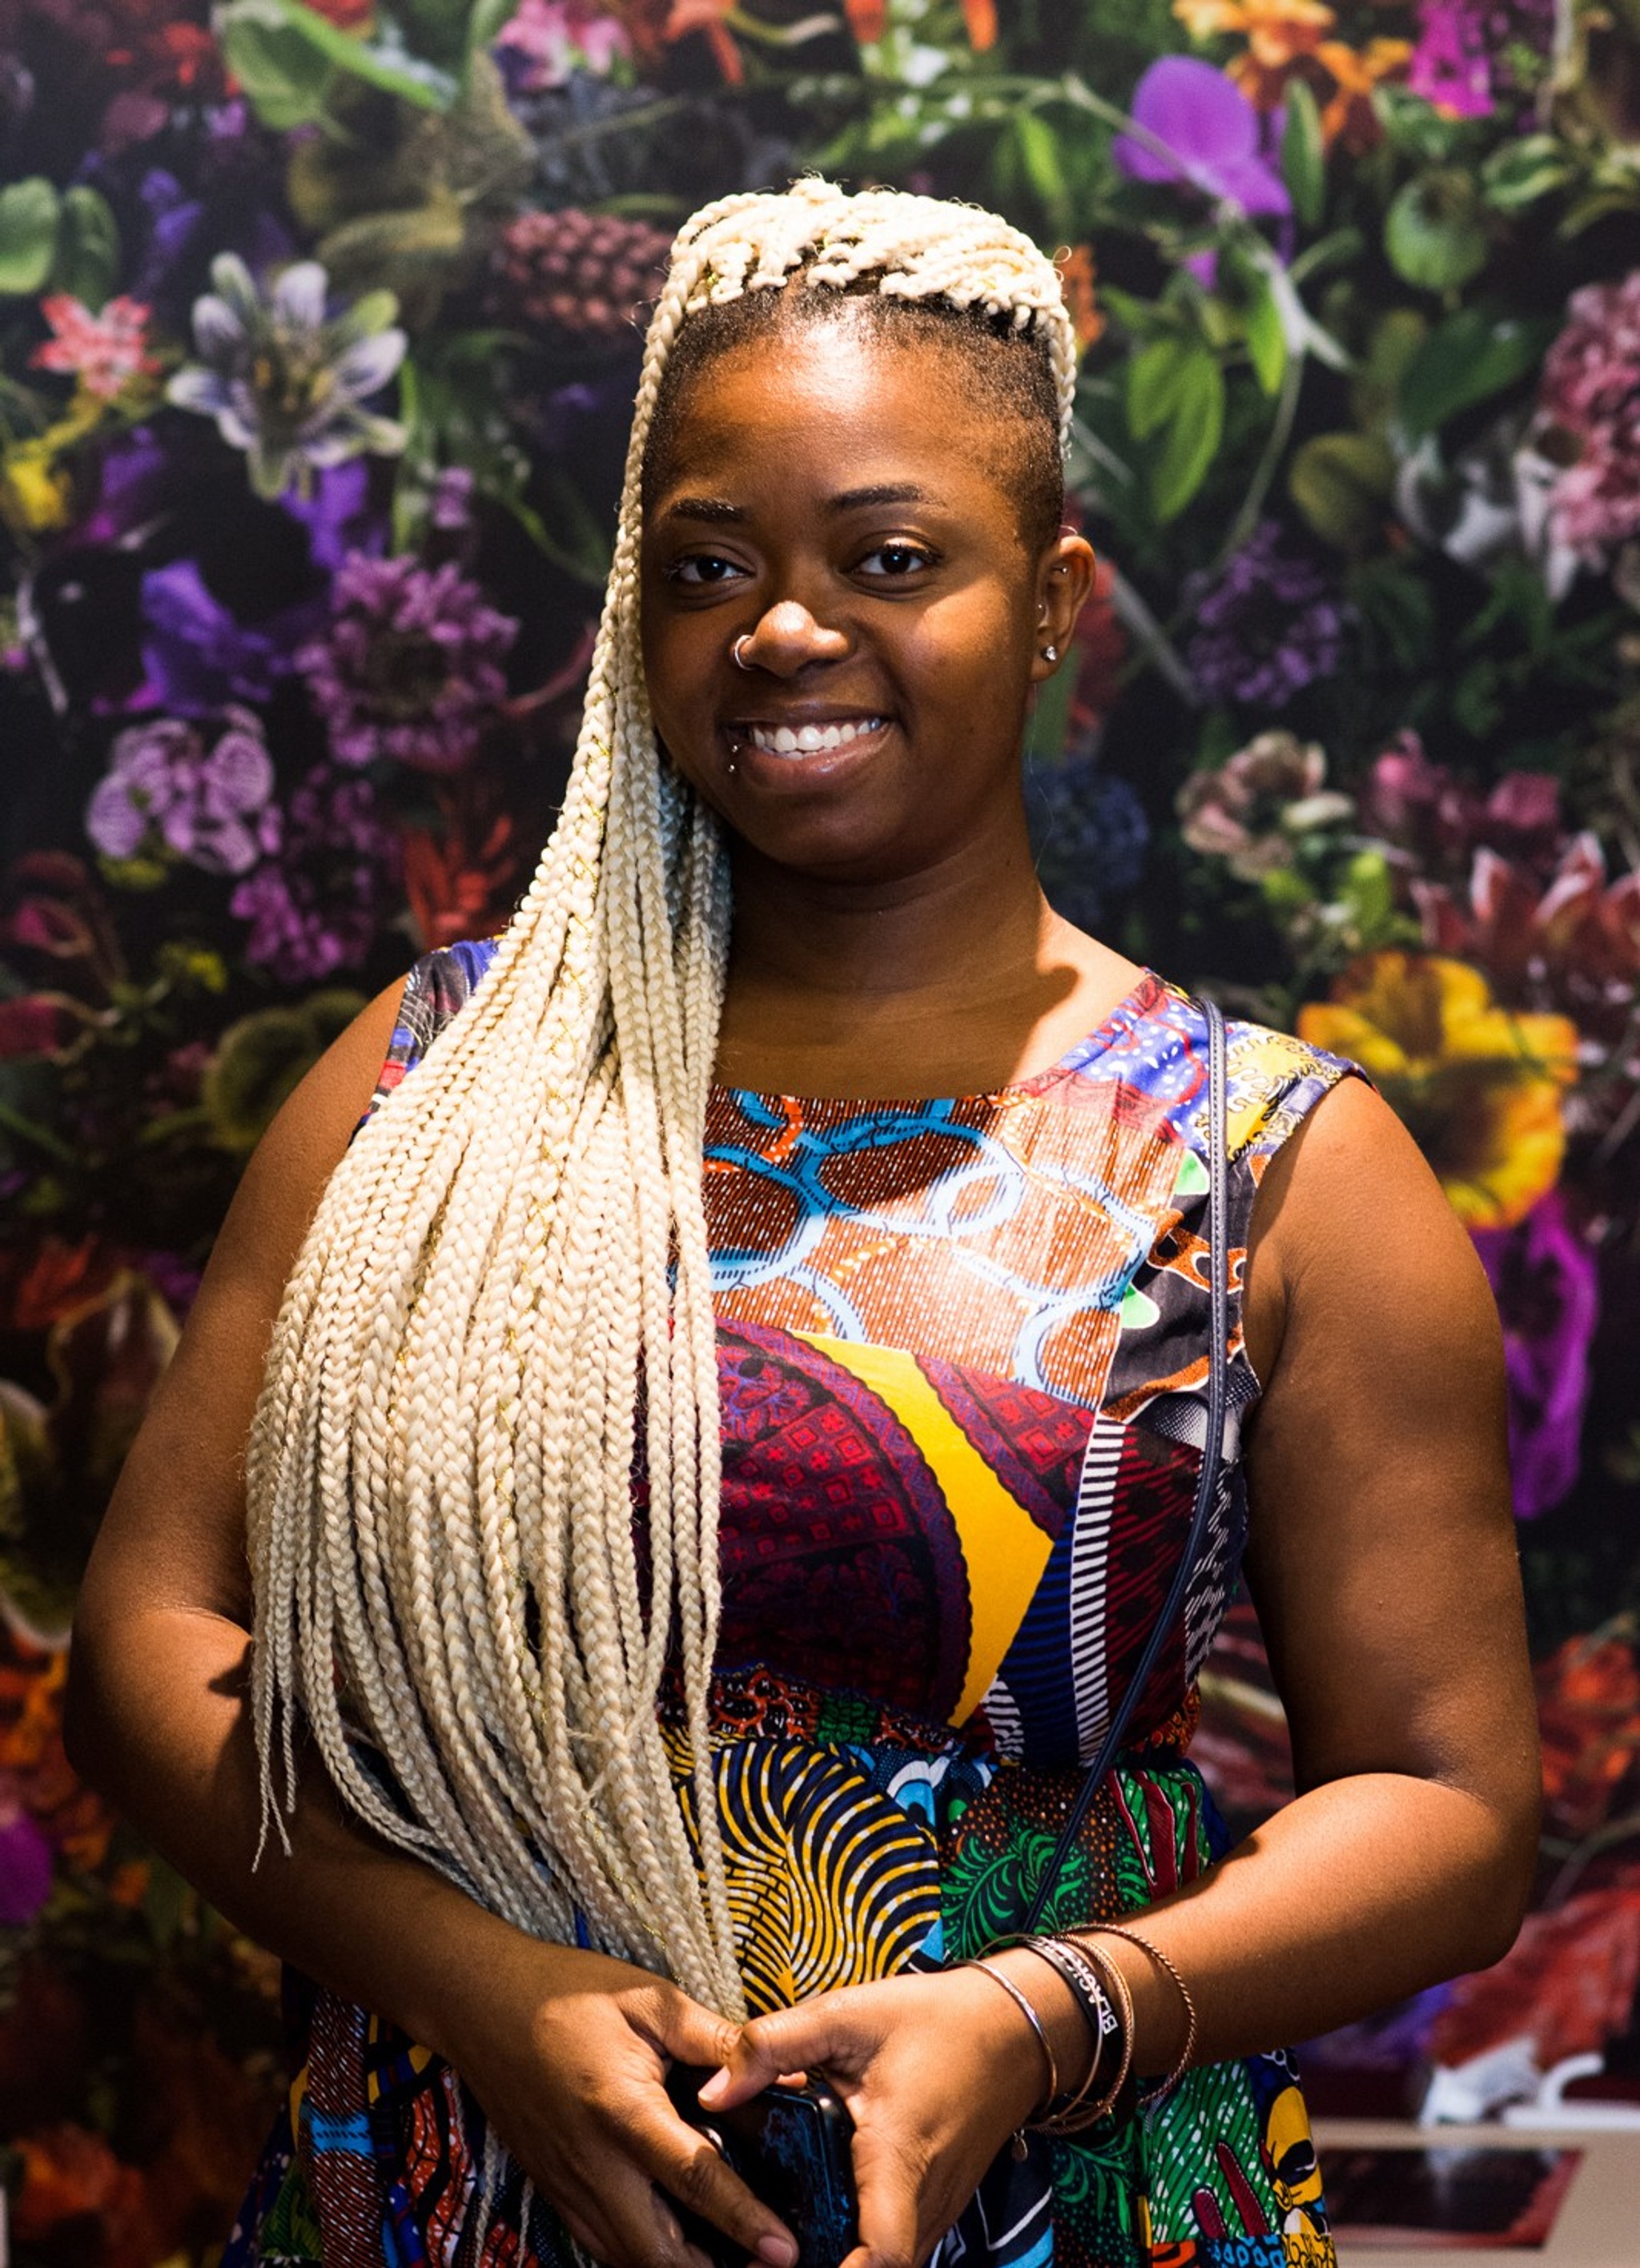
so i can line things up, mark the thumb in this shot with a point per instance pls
(774, 2046)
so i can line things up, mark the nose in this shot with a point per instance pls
(786, 638)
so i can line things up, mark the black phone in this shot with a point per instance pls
(790, 2145)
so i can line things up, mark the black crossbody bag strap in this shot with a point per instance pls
(1212, 1457)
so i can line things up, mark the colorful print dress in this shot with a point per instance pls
(963, 1360)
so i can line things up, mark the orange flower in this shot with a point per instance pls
(1077, 279)
(1589, 1715)
(69, 2175)
(1287, 39)
(707, 16)
(1479, 1088)
(867, 19)
(980, 17)
(1277, 32)
(1346, 114)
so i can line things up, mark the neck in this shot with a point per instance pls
(955, 978)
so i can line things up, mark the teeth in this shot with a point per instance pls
(782, 740)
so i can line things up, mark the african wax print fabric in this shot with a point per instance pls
(962, 1362)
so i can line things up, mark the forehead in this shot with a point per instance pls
(834, 403)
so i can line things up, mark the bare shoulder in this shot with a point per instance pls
(175, 1531)
(1352, 1231)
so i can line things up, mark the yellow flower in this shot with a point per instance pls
(36, 492)
(1478, 1088)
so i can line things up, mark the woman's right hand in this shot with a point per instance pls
(567, 2052)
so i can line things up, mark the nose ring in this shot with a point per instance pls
(735, 654)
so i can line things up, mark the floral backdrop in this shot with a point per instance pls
(317, 343)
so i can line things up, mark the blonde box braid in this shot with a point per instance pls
(508, 1275)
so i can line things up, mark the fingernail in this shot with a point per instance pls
(779, 2251)
(713, 2087)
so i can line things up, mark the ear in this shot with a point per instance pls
(1065, 576)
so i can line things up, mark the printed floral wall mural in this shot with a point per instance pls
(316, 347)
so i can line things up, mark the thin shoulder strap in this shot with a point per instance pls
(1212, 1456)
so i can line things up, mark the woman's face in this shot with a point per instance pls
(844, 505)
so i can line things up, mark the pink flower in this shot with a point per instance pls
(553, 38)
(1589, 408)
(1574, 943)
(1450, 67)
(105, 352)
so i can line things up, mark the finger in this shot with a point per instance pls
(688, 2033)
(632, 2224)
(888, 2218)
(791, 2039)
(688, 2170)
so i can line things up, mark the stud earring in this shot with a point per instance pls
(1050, 653)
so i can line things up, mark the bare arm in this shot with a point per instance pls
(565, 2049)
(1382, 1564)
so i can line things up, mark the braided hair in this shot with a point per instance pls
(504, 1298)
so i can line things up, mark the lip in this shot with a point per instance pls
(764, 768)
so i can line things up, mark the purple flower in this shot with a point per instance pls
(206, 806)
(1474, 56)
(1450, 65)
(1544, 1279)
(1268, 628)
(197, 658)
(286, 381)
(25, 1864)
(1212, 134)
(410, 668)
(317, 906)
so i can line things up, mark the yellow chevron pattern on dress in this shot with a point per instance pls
(1003, 1549)
(830, 1882)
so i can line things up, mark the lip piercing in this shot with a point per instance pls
(735, 654)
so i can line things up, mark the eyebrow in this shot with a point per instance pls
(715, 511)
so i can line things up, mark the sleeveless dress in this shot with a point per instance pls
(963, 1355)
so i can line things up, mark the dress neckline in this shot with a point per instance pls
(1134, 1005)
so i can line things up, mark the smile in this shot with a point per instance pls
(808, 740)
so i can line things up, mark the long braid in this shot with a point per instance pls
(506, 1294)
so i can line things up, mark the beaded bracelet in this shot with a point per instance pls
(1160, 2092)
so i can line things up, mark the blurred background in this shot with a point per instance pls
(317, 346)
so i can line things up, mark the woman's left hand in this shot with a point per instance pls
(936, 2070)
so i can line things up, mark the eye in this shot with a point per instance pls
(702, 571)
(897, 561)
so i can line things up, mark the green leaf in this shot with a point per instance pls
(489, 17)
(1266, 337)
(1435, 232)
(1473, 354)
(286, 56)
(1043, 167)
(285, 76)
(88, 247)
(1304, 153)
(1157, 377)
(1193, 435)
(1341, 482)
(1522, 173)
(28, 234)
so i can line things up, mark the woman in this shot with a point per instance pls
(906, 1387)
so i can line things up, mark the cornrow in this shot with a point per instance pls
(508, 1281)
